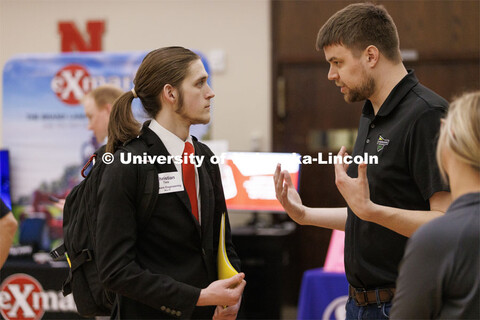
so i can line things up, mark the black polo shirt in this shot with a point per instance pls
(403, 135)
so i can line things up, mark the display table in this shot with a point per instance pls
(322, 295)
(263, 255)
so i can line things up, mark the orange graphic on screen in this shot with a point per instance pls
(251, 192)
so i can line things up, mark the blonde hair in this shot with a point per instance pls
(105, 94)
(460, 133)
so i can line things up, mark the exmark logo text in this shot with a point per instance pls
(22, 297)
(73, 81)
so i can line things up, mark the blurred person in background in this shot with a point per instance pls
(8, 227)
(98, 104)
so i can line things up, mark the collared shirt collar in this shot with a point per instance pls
(395, 96)
(175, 147)
(173, 144)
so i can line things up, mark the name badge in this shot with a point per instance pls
(169, 182)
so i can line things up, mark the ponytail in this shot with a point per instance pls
(122, 125)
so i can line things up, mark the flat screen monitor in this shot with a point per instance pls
(5, 178)
(247, 179)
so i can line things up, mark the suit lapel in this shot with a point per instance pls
(206, 195)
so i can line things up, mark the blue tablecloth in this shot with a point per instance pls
(322, 295)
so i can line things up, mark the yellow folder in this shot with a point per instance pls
(225, 268)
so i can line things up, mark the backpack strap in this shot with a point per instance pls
(58, 252)
(85, 256)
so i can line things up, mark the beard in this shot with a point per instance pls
(362, 92)
(180, 110)
(180, 101)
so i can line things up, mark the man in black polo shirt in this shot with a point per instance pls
(399, 124)
(8, 227)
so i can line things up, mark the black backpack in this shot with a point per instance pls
(79, 230)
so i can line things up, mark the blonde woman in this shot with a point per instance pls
(440, 272)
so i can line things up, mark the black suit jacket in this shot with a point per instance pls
(158, 269)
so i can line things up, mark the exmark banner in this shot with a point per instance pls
(44, 125)
(23, 297)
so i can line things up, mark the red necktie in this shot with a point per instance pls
(188, 171)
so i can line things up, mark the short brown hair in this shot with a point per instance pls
(359, 25)
(105, 94)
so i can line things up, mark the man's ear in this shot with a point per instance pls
(371, 55)
(169, 94)
(108, 107)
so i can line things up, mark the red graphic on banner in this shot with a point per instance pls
(20, 298)
(71, 83)
(72, 40)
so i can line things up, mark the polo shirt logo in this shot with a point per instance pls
(381, 143)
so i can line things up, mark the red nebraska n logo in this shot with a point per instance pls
(72, 39)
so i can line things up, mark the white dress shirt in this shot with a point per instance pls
(175, 147)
